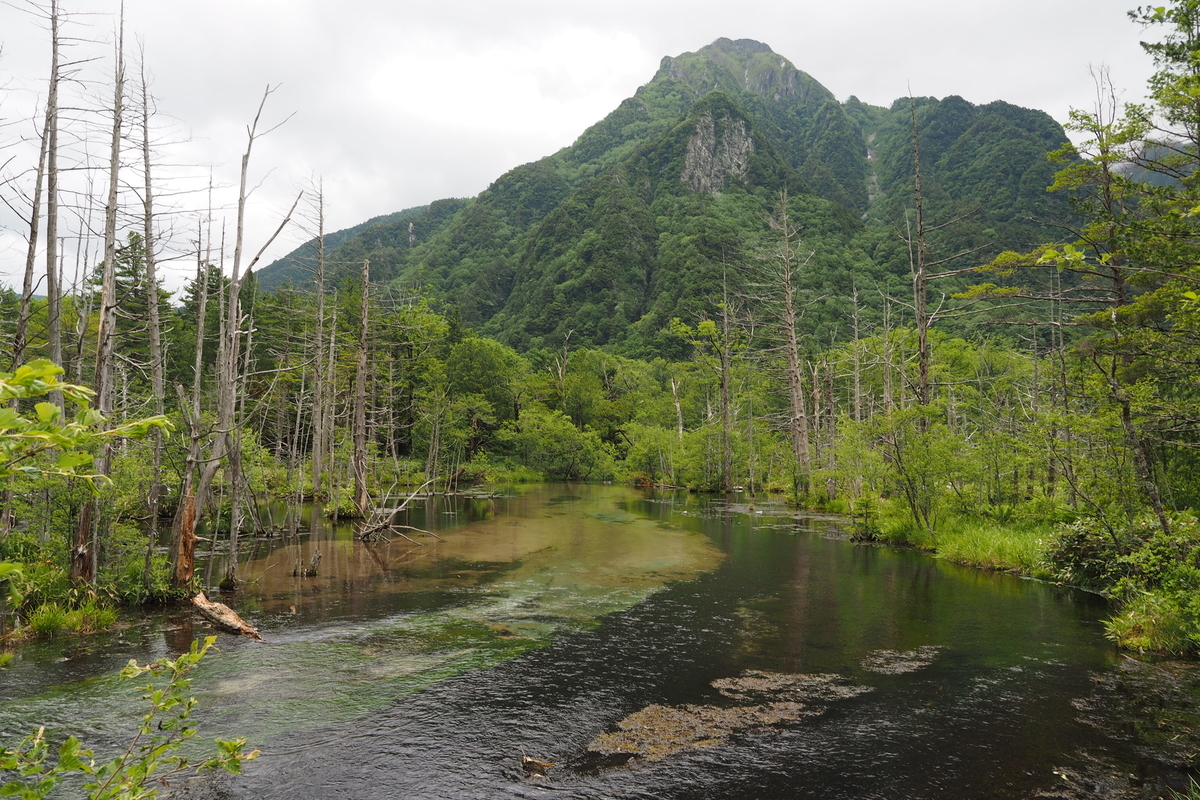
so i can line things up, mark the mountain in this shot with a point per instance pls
(302, 261)
(661, 204)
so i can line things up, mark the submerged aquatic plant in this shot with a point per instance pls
(656, 731)
(898, 662)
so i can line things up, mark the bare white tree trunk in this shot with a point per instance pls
(362, 500)
(53, 287)
(320, 386)
(82, 561)
(786, 272)
(156, 355)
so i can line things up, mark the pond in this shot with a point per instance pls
(648, 644)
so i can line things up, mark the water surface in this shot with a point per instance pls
(540, 620)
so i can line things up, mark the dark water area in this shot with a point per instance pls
(544, 620)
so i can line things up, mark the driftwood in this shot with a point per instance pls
(224, 617)
(384, 519)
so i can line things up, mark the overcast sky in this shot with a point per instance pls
(397, 103)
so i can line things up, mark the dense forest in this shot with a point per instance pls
(942, 320)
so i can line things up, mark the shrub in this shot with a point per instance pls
(341, 505)
(1153, 576)
(40, 584)
(1086, 553)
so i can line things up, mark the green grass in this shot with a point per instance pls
(1016, 546)
(1154, 622)
(90, 618)
(48, 619)
(1193, 792)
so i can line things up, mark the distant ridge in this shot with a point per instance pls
(641, 218)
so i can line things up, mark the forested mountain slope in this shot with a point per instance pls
(657, 205)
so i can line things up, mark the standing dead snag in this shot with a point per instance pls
(362, 501)
(225, 444)
(84, 552)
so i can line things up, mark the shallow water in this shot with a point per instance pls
(543, 619)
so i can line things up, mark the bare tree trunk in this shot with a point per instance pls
(156, 354)
(236, 470)
(437, 410)
(83, 314)
(81, 558)
(919, 257)
(888, 390)
(328, 416)
(21, 334)
(53, 288)
(362, 500)
(798, 426)
(225, 443)
(858, 404)
(678, 408)
(726, 376)
(35, 223)
(183, 529)
(320, 387)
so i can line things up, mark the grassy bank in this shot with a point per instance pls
(1152, 575)
(1010, 543)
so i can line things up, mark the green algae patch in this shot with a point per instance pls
(246, 690)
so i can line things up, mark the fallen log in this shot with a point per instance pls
(224, 617)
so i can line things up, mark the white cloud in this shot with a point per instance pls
(399, 104)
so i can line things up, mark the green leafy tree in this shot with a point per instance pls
(548, 442)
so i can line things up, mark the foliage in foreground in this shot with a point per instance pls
(35, 768)
(24, 440)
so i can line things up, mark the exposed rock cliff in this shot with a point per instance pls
(719, 149)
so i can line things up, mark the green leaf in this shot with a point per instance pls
(9, 418)
(69, 461)
(47, 412)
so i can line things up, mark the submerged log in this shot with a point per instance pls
(533, 767)
(224, 617)
(300, 571)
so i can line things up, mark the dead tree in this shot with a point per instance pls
(320, 444)
(780, 276)
(183, 528)
(362, 500)
(150, 242)
(83, 566)
(224, 447)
